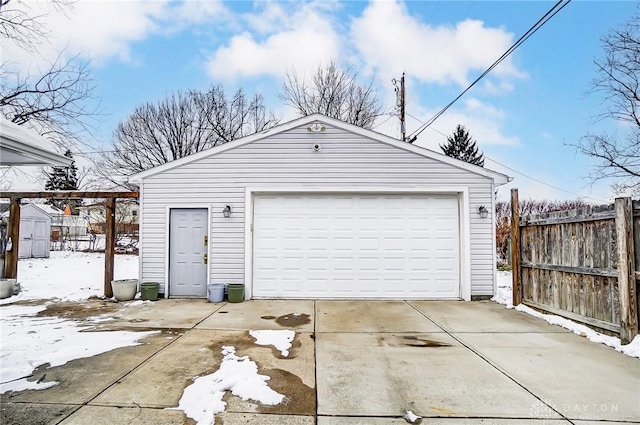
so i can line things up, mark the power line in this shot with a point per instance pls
(545, 183)
(543, 20)
(521, 173)
(442, 48)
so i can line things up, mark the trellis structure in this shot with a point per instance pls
(13, 231)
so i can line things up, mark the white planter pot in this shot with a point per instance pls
(125, 289)
(6, 287)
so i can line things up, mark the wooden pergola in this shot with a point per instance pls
(13, 230)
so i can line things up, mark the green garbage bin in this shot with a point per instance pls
(236, 292)
(149, 291)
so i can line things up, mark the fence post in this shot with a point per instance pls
(626, 270)
(13, 234)
(109, 247)
(516, 271)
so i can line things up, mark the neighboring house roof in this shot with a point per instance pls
(49, 209)
(46, 209)
(20, 146)
(498, 178)
(101, 205)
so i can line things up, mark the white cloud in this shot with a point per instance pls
(484, 121)
(391, 40)
(104, 29)
(270, 18)
(100, 30)
(302, 38)
(197, 12)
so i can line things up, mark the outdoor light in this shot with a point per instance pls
(316, 127)
(483, 211)
(227, 211)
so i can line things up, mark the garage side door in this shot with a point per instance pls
(356, 246)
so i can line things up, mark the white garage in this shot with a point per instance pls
(354, 245)
(317, 208)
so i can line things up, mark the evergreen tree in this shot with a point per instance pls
(63, 178)
(461, 146)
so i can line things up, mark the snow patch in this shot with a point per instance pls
(280, 339)
(23, 384)
(504, 296)
(29, 341)
(632, 349)
(203, 399)
(138, 303)
(412, 417)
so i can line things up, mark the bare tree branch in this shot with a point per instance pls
(334, 92)
(19, 22)
(619, 80)
(181, 124)
(54, 102)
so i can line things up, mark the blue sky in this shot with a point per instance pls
(524, 114)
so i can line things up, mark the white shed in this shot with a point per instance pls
(35, 232)
(317, 208)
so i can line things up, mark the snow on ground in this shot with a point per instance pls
(29, 340)
(280, 339)
(411, 417)
(203, 399)
(504, 296)
(503, 293)
(69, 276)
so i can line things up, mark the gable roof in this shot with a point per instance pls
(498, 178)
(49, 209)
(20, 146)
(44, 208)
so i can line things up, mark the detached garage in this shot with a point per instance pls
(317, 208)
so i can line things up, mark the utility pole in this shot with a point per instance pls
(401, 101)
(403, 127)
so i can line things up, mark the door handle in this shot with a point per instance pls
(206, 258)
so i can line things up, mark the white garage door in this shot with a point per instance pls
(356, 246)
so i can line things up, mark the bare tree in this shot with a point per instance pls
(619, 80)
(24, 26)
(526, 207)
(334, 92)
(181, 124)
(52, 100)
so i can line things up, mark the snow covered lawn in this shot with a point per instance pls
(30, 340)
(504, 296)
(69, 276)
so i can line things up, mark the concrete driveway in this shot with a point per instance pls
(352, 362)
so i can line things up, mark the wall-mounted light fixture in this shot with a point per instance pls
(484, 213)
(226, 212)
(316, 127)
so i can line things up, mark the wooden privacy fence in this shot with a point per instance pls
(582, 264)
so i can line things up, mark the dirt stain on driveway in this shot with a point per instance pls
(293, 320)
(300, 398)
(79, 310)
(410, 341)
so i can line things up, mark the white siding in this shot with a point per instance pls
(288, 160)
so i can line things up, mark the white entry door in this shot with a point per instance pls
(188, 251)
(356, 246)
(26, 238)
(40, 240)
